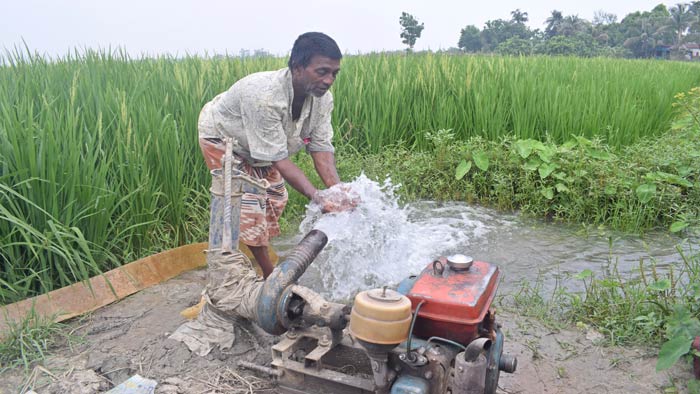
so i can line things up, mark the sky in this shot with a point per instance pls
(179, 27)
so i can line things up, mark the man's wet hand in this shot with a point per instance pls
(336, 199)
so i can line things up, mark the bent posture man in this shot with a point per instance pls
(270, 116)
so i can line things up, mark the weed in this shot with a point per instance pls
(29, 339)
(647, 306)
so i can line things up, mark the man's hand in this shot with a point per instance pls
(336, 199)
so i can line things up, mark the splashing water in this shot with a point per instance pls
(381, 243)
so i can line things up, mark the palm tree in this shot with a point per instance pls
(680, 20)
(553, 23)
(571, 25)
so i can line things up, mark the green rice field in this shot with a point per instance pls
(99, 162)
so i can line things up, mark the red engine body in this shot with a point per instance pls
(456, 302)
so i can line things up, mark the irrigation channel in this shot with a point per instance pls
(381, 242)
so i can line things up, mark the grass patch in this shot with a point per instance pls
(28, 340)
(648, 306)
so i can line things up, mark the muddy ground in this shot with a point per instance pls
(131, 337)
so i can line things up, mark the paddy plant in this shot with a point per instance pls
(383, 99)
(99, 161)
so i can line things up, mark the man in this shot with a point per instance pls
(271, 116)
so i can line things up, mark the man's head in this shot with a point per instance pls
(314, 62)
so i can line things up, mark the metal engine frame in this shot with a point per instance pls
(309, 361)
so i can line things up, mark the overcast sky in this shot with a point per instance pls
(217, 26)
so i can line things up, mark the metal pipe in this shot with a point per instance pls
(284, 275)
(475, 348)
(262, 369)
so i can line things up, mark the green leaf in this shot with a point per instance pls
(610, 190)
(599, 154)
(524, 147)
(646, 192)
(671, 351)
(532, 164)
(569, 144)
(547, 192)
(560, 175)
(678, 226)
(661, 285)
(561, 188)
(481, 160)
(584, 274)
(684, 171)
(546, 154)
(463, 169)
(546, 169)
(583, 141)
(670, 178)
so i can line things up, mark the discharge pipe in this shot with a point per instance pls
(269, 313)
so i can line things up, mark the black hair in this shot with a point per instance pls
(311, 44)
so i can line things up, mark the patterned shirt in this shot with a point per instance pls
(257, 113)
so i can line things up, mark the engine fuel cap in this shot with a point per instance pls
(459, 262)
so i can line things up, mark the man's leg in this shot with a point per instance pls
(263, 258)
(260, 217)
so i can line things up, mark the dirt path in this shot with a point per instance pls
(131, 337)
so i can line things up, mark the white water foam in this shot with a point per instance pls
(381, 243)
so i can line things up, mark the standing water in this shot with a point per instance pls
(381, 242)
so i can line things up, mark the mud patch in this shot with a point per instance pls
(574, 361)
(131, 337)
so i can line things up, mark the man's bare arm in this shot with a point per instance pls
(295, 177)
(325, 167)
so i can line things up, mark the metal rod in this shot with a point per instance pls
(226, 242)
(262, 369)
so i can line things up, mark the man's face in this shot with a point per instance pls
(317, 77)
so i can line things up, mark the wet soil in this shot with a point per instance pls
(131, 337)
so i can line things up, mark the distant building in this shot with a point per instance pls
(691, 50)
(662, 52)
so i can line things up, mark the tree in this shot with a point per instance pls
(410, 29)
(515, 46)
(581, 45)
(680, 21)
(601, 17)
(572, 25)
(553, 22)
(644, 37)
(499, 30)
(518, 16)
(470, 39)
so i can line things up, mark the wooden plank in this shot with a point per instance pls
(80, 298)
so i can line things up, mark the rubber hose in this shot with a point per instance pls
(285, 275)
